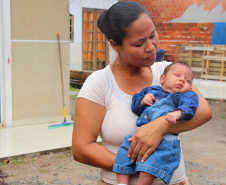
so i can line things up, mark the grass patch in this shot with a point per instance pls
(73, 97)
(60, 156)
(222, 116)
(17, 161)
(74, 89)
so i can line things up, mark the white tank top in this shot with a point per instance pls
(119, 121)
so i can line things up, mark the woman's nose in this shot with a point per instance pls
(150, 46)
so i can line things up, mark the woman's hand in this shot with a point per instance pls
(146, 139)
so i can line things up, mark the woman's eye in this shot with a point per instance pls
(139, 45)
(152, 36)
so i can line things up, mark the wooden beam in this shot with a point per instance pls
(198, 69)
(199, 48)
(214, 58)
(223, 62)
(213, 77)
(190, 56)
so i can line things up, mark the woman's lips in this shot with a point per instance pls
(152, 56)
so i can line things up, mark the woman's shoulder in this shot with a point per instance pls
(161, 65)
(98, 76)
(157, 69)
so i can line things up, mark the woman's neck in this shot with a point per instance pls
(125, 69)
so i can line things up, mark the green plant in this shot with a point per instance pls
(60, 156)
(43, 170)
(59, 168)
(17, 161)
(222, 116)
(41, 182)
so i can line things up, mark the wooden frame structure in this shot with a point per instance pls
(206, 61)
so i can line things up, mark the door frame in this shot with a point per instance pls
(95, 11)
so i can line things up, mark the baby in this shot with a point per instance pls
(175, 101)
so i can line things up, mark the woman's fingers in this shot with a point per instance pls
(147, 154)
(132, 146)
(135, 153)
(141, 153)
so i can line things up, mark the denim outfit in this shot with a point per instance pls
(166, 158)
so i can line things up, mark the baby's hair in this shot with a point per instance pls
(175, 63)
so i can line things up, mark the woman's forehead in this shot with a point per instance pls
(142, 27)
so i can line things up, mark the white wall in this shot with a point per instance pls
(76, 10)
(5, 61)
(1, 59)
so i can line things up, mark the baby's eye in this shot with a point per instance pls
(188, 81)
(177, 74)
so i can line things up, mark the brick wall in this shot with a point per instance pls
(170, 34)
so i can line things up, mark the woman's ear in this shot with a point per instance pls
(114, 45)
(162, 78)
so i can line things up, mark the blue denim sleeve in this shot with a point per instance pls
(188, 104)
(135, 106)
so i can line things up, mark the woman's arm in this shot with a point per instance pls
(87, 123)
(148, 137)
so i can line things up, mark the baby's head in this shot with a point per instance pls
(177, 77)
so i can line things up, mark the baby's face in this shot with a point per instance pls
(177, 79)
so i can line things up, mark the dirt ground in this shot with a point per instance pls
(204, 151)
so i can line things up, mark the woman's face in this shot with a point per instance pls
(141, 43)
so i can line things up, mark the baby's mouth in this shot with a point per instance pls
(179, 85)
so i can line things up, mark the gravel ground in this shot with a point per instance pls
(204, 151)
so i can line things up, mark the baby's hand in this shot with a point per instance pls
(172, 117)
(147, 100)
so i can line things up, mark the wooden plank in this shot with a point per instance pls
(223, 62)
(198, 59)
(199, 48)
(198, 69)
(176, 53)
(190, 56)
(214, 58)
(213, 77)
(183, 54)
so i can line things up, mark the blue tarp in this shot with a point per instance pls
(219, 33)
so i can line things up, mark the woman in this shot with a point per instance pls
(103, 104)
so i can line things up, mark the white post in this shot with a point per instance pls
(6, 69)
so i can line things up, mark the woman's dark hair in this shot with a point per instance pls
(115, 22)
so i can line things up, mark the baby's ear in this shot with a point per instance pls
(162, 78)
